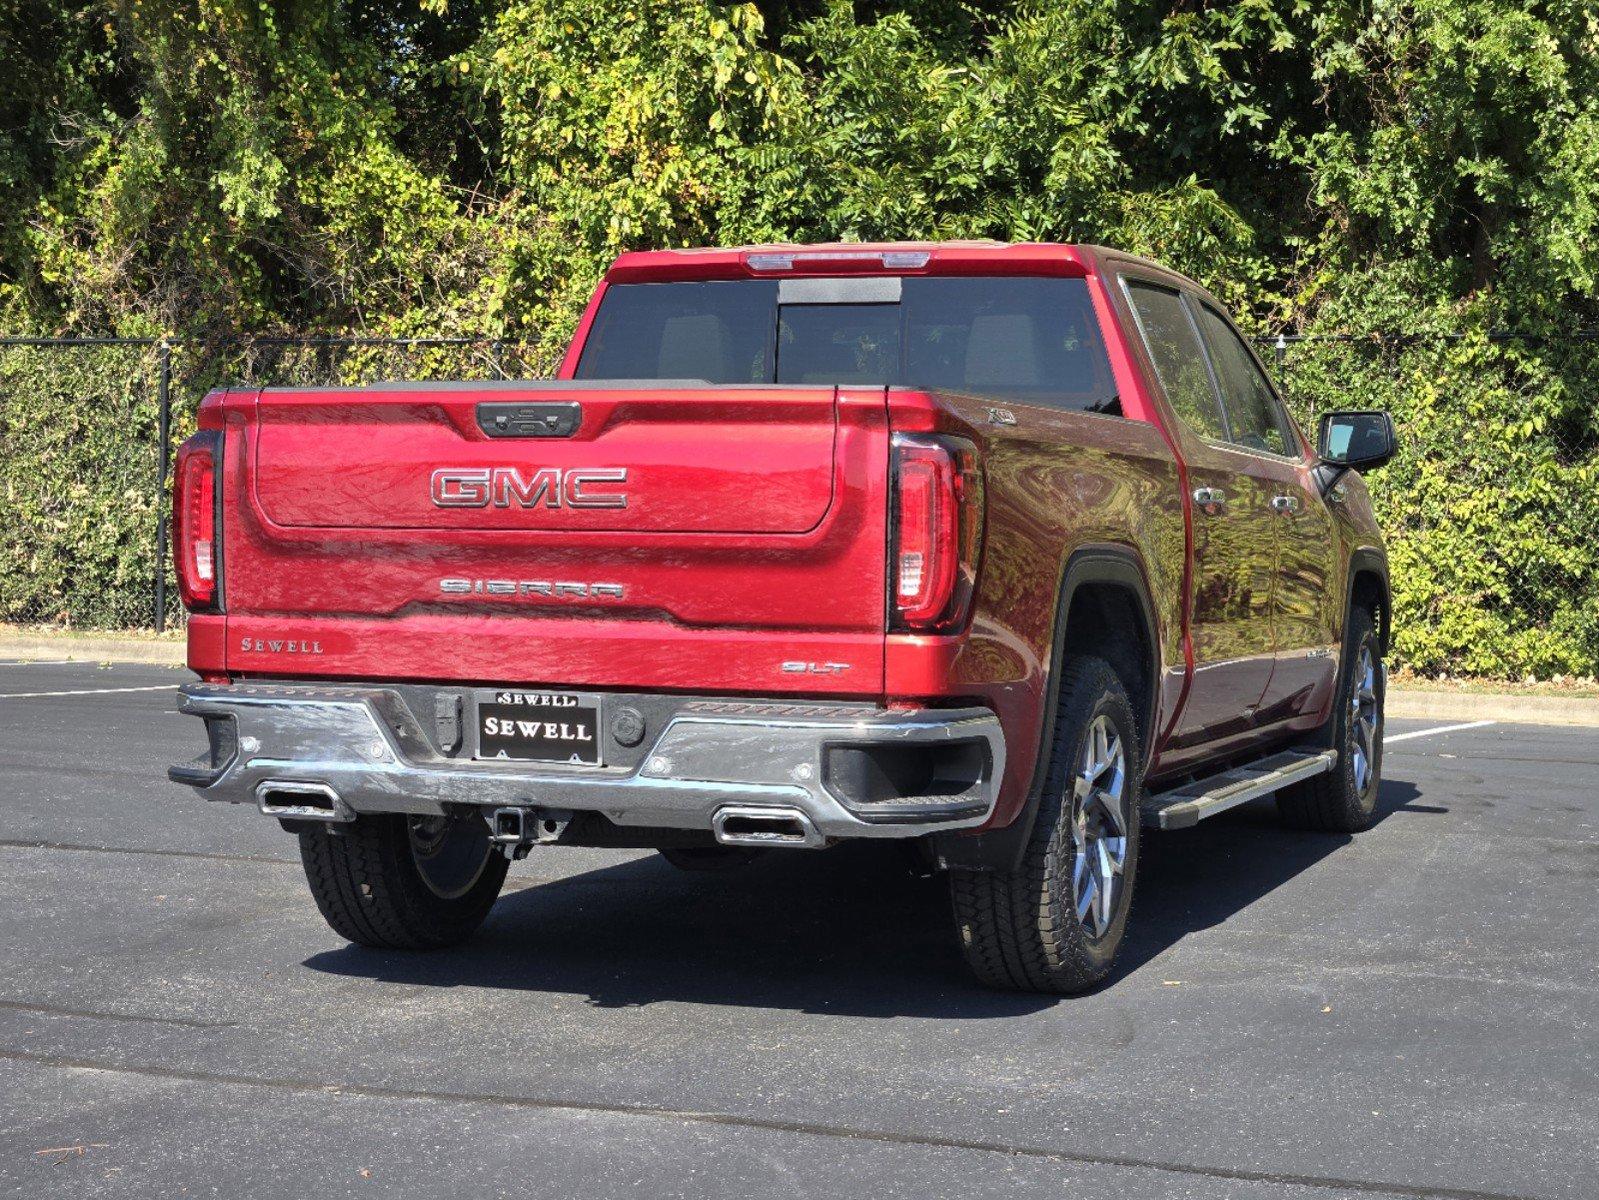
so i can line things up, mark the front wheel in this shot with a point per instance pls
(1054, 924)
(1344, 800)
(404, 882)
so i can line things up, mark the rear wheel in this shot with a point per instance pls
(1055, 923)
(1344, 800)
(404, 882)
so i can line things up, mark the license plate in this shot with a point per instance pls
(558, 727)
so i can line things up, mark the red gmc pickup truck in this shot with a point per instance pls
(1006, 549)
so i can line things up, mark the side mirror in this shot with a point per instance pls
(1356, 441)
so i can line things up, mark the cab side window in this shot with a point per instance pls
(1179, 362)
(1253, 412)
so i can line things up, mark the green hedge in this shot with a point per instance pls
(1419, 167)
(1491, 509)
(79, 467)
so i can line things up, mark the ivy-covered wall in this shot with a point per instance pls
(1491, 510)
(405, 167)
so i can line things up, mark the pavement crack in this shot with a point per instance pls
(56, 1010)
(21, 844)
(733, 1120)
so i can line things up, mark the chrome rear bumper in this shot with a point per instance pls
(335, 751)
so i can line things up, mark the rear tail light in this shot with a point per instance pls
(938, 529)
(195, 549)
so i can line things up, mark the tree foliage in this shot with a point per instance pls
(1367, 168)
(185, 165)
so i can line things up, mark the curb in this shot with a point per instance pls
(1403, 703)
(1486, 706)
(76, 648)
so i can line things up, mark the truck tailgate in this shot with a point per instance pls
(705, 538)
(733, 461)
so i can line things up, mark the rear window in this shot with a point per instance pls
(1023, 340)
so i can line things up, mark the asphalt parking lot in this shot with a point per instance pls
(1408, 1013)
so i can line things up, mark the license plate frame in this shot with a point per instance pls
(567, 734)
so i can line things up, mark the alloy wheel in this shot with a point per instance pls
(1099, 819)
(1364, 718)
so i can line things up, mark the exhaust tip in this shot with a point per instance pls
(301, 801)
(751, 826)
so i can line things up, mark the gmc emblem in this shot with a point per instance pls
(479, 487)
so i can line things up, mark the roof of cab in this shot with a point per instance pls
(783, 260)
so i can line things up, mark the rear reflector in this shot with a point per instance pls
(194, 523)
(938, 507)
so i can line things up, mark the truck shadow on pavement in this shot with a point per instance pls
(1195, 878)
(852, 931)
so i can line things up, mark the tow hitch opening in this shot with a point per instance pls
(517, 830)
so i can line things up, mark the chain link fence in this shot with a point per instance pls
(1491, 510)
(88, 428)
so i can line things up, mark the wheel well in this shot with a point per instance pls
(1105, 621)
(1367, 591)
(1104, 612)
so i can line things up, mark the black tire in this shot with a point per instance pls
(404, 883)
(1023, 929)
(1344, 800)
(709, 858)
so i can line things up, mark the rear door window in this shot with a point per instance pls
(1254, 415)
(1174, 348)
(1020, 339)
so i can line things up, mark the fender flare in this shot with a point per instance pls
(1363, 560)
(1370, 560)
(1001, 849)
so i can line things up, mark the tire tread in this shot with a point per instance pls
(369, 891)
(1328, 803)
(1016, 932)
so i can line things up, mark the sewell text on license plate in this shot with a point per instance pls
(559, 727)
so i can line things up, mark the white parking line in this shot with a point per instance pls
(160, 687)
(1389, 739)
(41, 662)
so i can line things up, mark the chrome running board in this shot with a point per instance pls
(1193, 802)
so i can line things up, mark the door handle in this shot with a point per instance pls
(1210, 500)
(1285, 504)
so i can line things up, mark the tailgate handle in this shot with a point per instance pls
(512, 419)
